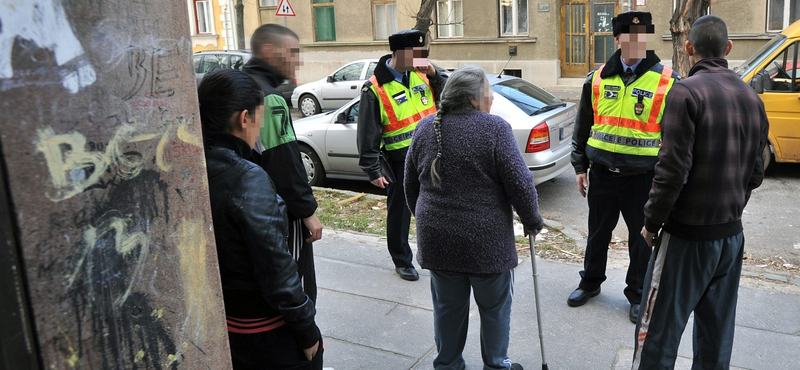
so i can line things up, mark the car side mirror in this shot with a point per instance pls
(330, 79)
(760, 81)
(341, 118)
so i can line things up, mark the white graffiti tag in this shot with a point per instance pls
(45, 23)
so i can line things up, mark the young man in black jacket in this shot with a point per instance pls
(276, 56)
(714, 129)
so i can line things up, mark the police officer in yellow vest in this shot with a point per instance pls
(616, 141)
(402, 91)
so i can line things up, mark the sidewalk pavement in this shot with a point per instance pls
(371, 319)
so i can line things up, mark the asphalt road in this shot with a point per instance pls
(771, 219)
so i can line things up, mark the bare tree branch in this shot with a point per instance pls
(686, 12)
(423, 16)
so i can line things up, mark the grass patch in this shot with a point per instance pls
(363, 215)
(366, 215)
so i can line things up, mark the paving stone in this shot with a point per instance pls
(753, 274)
(553, 224)
(776, 277)
(752, 268)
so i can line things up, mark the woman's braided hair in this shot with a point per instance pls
(463, 85)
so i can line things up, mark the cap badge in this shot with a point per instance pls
(635, 20)
(420, 39)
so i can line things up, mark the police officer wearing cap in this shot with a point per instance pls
(402, 91)
(616, 141)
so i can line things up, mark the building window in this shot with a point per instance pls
(449, 18)
(267, 3)
(202, 16)
(324, 20)
(385, 18)
(781, 13)
(513, 17)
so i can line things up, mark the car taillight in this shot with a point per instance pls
(539, 139)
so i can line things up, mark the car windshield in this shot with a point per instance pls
(526, 96)
(759, 56)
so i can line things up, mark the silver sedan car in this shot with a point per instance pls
(542, 125)
(336, 89)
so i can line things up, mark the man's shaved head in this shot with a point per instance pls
(269, 34)
(709, 36)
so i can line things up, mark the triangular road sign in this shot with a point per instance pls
(285, 9)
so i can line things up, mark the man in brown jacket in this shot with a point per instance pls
(714, 131)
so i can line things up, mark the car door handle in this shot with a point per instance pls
(353, 87)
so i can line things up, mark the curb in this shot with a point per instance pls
(757, 274)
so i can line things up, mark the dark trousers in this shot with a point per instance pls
(493, 295)
(303, 254)
(685, 276)
(276, 349)
(398, 219)
(609, 194)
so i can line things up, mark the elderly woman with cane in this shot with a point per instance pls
(464, 173)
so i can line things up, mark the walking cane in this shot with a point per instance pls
(536, 296)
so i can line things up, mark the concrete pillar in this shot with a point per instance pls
(106, 186)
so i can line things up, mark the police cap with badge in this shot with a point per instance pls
(408, 39)
(632, 22)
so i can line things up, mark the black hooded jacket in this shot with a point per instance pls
(282, 162)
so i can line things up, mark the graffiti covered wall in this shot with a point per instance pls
(102, 141)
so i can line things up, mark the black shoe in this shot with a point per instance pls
(407, 273)
(516, 366)
(579, 297)
(633, 314)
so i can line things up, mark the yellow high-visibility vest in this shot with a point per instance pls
(627, 119)
(402, 108)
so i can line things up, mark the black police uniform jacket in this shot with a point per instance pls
(370, 128)
(585, 119)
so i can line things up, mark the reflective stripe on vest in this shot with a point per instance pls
(398, 138)
(622, 140)
(399, 120)
(627, 119)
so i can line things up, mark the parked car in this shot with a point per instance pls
(209, 61)
(337, 88)
(542, 125)
(772, 71)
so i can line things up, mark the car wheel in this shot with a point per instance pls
(767, 155)
(313, 166)
(308, 105)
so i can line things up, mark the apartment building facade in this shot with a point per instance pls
(538, 40)
(212, 25)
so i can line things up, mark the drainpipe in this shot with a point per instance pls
(240, 24)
